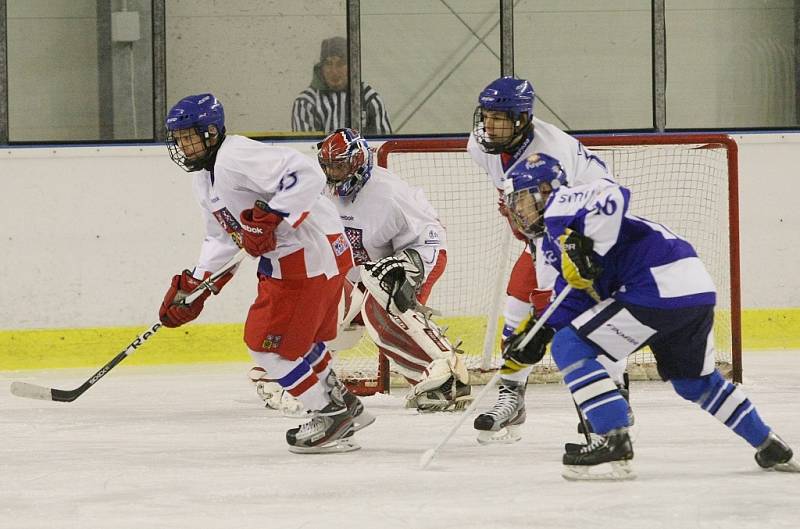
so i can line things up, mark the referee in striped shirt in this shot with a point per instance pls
(323, 105)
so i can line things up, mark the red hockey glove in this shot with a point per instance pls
(174, 312)
(258, 229)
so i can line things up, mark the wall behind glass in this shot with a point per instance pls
(430, 62)
(52, 70)
(66, 83)
(730, 64)
(589, 61)
(256, 56)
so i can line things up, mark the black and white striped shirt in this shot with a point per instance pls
(326, 111)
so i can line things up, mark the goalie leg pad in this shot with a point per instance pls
(273, 395)
(444, 387)
(348, 334)
(411, 340)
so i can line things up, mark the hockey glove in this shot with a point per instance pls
(258, 229)
(174, 312)
(577, 265)
(516, 356)
(399, 276)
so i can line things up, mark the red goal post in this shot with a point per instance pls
(688, 182)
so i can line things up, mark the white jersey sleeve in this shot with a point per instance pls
(245, 171)
(418, 227)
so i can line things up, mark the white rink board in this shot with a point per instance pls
(190, 447)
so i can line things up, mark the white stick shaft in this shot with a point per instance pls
(541, 321)
(489, 385)
(206, 284)
(430, 454)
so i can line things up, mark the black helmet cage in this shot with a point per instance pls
(490, 146)
(526, 208)
(196, 163)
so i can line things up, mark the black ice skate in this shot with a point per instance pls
(501, 423)
(606, 458)
(361, 417)
(775, 454)
(326, 432)
(453, 395)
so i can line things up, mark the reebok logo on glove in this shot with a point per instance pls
(258, 229)
(252, 229)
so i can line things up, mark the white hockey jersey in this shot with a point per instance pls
(642, 262)
(389, 216)
(310, 240)
(579, 164)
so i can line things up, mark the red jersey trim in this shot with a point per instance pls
(301, 219)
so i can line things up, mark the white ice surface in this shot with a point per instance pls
(191, 447)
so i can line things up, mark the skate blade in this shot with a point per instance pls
(790, 466)
(339, 446)
(363, 420)
(612, 471)
(460, 404)
(507, 435)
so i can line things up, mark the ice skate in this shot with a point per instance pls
(361, 417)
(500, 425)
(572, 448)
(453, 395)
(328, 431)
(775, 454)
(606, 458)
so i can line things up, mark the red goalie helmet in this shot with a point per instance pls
(346, 160)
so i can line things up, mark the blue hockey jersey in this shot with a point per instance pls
(643, 262)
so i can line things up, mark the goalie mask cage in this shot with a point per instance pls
(686, 181)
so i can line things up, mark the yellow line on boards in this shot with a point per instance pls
(57, 348)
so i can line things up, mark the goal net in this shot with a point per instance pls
(687, 182)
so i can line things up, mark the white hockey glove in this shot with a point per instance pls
(395, 280)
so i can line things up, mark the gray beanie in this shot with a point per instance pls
(334, 46)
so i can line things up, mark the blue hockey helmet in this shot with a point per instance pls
(512, 97)
(529, 184)
(195, 130)
(346, 160)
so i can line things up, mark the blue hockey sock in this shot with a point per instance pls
(726, 402)
(590, 384)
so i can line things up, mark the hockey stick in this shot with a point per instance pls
(429, 454)
(32, 391)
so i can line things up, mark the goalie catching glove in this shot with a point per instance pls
(577, 264)
(517, 356)
(174, 312)
(395, 280)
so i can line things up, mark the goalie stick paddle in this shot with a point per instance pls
(429, 454)
(32, 391)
